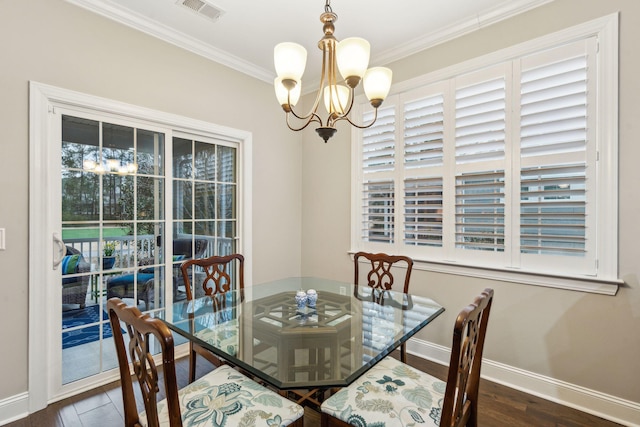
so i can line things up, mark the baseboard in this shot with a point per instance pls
(14, 408)
(593, 402)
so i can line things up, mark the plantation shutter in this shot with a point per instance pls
(553, 140)
(480, 211)
(378, 210)
(480, 131)
(480, 121)
(498, 167)
(423, 212)
(424, 132)
(378, 141)
(378, 164)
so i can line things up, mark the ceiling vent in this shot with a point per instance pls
(202, 8)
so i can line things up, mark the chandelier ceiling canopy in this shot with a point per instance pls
(350, 57)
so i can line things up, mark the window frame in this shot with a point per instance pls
(605, 279)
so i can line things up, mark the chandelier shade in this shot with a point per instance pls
(286, 97)
(348, 59)
(290, 60)
(352, 55)
(377, 82)
(336, 98)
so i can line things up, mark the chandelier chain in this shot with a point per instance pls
(327, 7)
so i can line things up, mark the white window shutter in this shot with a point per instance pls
(424, 132)
(480, 132)
(480, 121)
(498, 165)
(554, 87)
(378, 209)
(480, 211)
(553, 210)
(378, 141)
(423, 212)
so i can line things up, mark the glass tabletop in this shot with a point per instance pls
(264, 330)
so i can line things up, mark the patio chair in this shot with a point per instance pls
(74, 289)
(222, 397)
(122, 286)
(394, 394)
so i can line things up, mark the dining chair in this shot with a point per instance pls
(222, 397)
(380, 277)
(211, 276)
(393, 393)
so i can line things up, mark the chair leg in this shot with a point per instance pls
(327, 420)
(192, 364)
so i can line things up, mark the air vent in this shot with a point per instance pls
(202, 8)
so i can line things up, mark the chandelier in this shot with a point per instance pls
(350, 57)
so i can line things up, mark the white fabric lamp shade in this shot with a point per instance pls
(352, 55)
(290, 59)
(337, 102)
(377, 82)
(283, 94)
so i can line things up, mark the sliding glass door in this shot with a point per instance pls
(135, 203)
(113, 222)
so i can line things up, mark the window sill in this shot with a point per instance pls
(573, 283)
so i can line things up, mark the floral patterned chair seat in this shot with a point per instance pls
(225, 397)
(393, 391)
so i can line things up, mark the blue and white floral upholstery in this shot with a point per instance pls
(389, 394)
(225, 397)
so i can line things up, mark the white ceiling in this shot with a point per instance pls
(244, 36)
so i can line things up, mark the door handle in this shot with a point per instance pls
(62, 250)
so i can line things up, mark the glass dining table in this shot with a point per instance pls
(263, 331)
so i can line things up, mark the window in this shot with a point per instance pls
(500, 166)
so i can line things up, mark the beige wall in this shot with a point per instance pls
(56, 43)
(584, 339)
(588, 340)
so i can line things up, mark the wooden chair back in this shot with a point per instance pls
(460, 405)
(218, 271)
(217, 279)
(140, 328)
(380, 275)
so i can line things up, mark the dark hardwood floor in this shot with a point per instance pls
(499, 406)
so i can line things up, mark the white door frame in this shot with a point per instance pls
(42, 150)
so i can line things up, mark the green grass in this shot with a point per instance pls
(94, 232)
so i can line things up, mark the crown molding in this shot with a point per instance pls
(505, 11)
(155, 29)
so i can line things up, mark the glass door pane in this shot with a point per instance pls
(205, 186)
(113, 192)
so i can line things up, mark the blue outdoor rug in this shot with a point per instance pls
(79, 317)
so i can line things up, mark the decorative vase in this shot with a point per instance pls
(301, 299)
(108, 262)
(312, 298)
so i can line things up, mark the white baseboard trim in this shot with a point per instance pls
(593, 402)
(14, 408)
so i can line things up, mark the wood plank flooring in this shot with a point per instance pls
(499, 406)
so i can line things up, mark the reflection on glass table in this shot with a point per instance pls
(264, 332)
